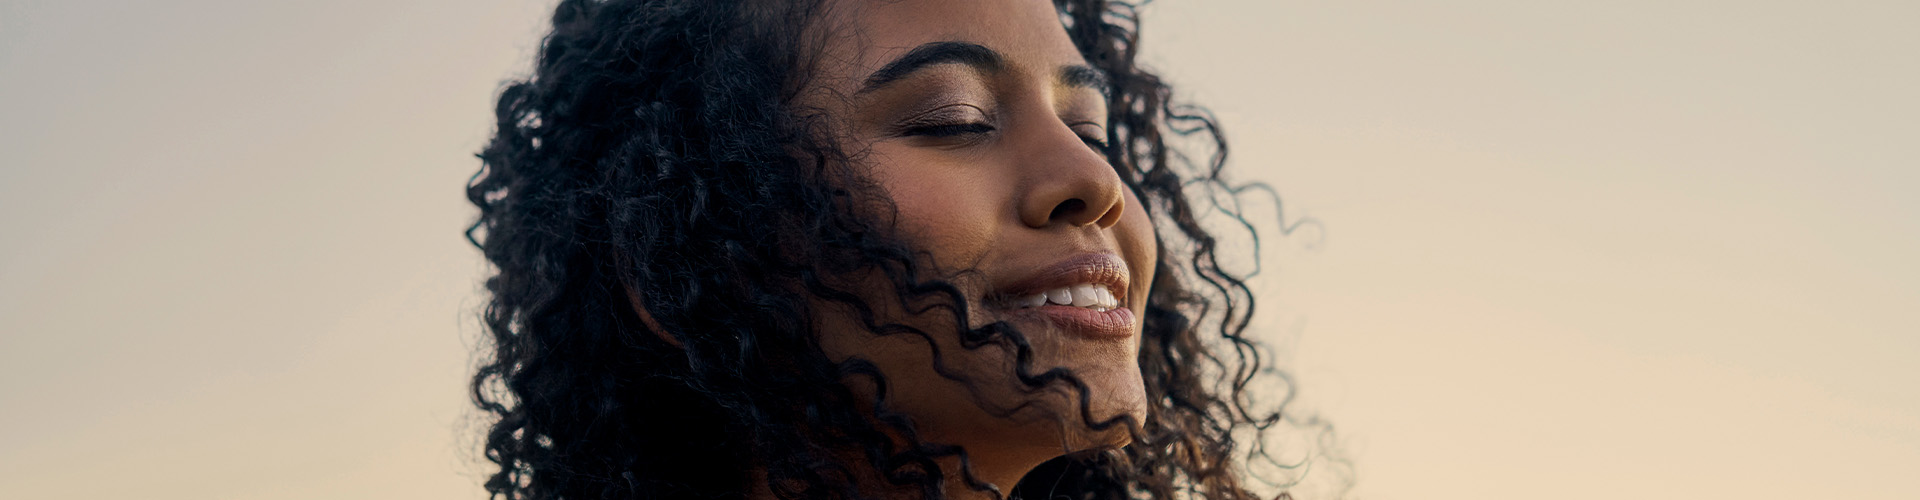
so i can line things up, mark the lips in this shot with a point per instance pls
(1085, 294)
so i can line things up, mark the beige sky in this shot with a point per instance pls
(1572, 250)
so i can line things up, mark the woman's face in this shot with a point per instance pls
(981, 120)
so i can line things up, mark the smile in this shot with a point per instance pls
(1091, 296)
(1084, 294)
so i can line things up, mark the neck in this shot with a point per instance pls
(1001, 470)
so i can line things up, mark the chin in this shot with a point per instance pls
(1125, 399)
(1114, 394)
(1050, 422)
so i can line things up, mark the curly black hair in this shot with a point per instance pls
(654, 161)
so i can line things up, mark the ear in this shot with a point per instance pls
(633, 298)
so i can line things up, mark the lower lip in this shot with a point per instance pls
(1116, 323)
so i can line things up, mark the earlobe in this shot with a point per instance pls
(646, 318)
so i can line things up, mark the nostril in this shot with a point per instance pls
(1067, 209)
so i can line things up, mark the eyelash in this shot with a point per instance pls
(957, 129)
(950, 130)
(1095, 142)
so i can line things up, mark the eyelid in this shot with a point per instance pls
(1100, 129)
(951, 114)
(1095, 139)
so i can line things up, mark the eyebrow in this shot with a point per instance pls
(935, 53)
(1081, 75)
(979, 57)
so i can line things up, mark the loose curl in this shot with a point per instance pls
(654, 159)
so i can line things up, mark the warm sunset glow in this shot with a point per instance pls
(1571, 250)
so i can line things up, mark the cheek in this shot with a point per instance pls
(947, 208)
(1136, 236)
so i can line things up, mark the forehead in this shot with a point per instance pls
(866, 34)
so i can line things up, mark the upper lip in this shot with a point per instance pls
(1097, 268)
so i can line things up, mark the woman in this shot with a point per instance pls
(854, 249)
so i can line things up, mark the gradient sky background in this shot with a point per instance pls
(1571, 250)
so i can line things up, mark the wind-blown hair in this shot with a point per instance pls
(654, 158)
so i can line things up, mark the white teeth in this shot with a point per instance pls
(1060, 296)
(1095, 297)
(1083, 295)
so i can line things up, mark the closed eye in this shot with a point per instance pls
(1099, 143)
(1093, 134)
(948, 130)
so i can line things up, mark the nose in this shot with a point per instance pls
(1069, 184)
